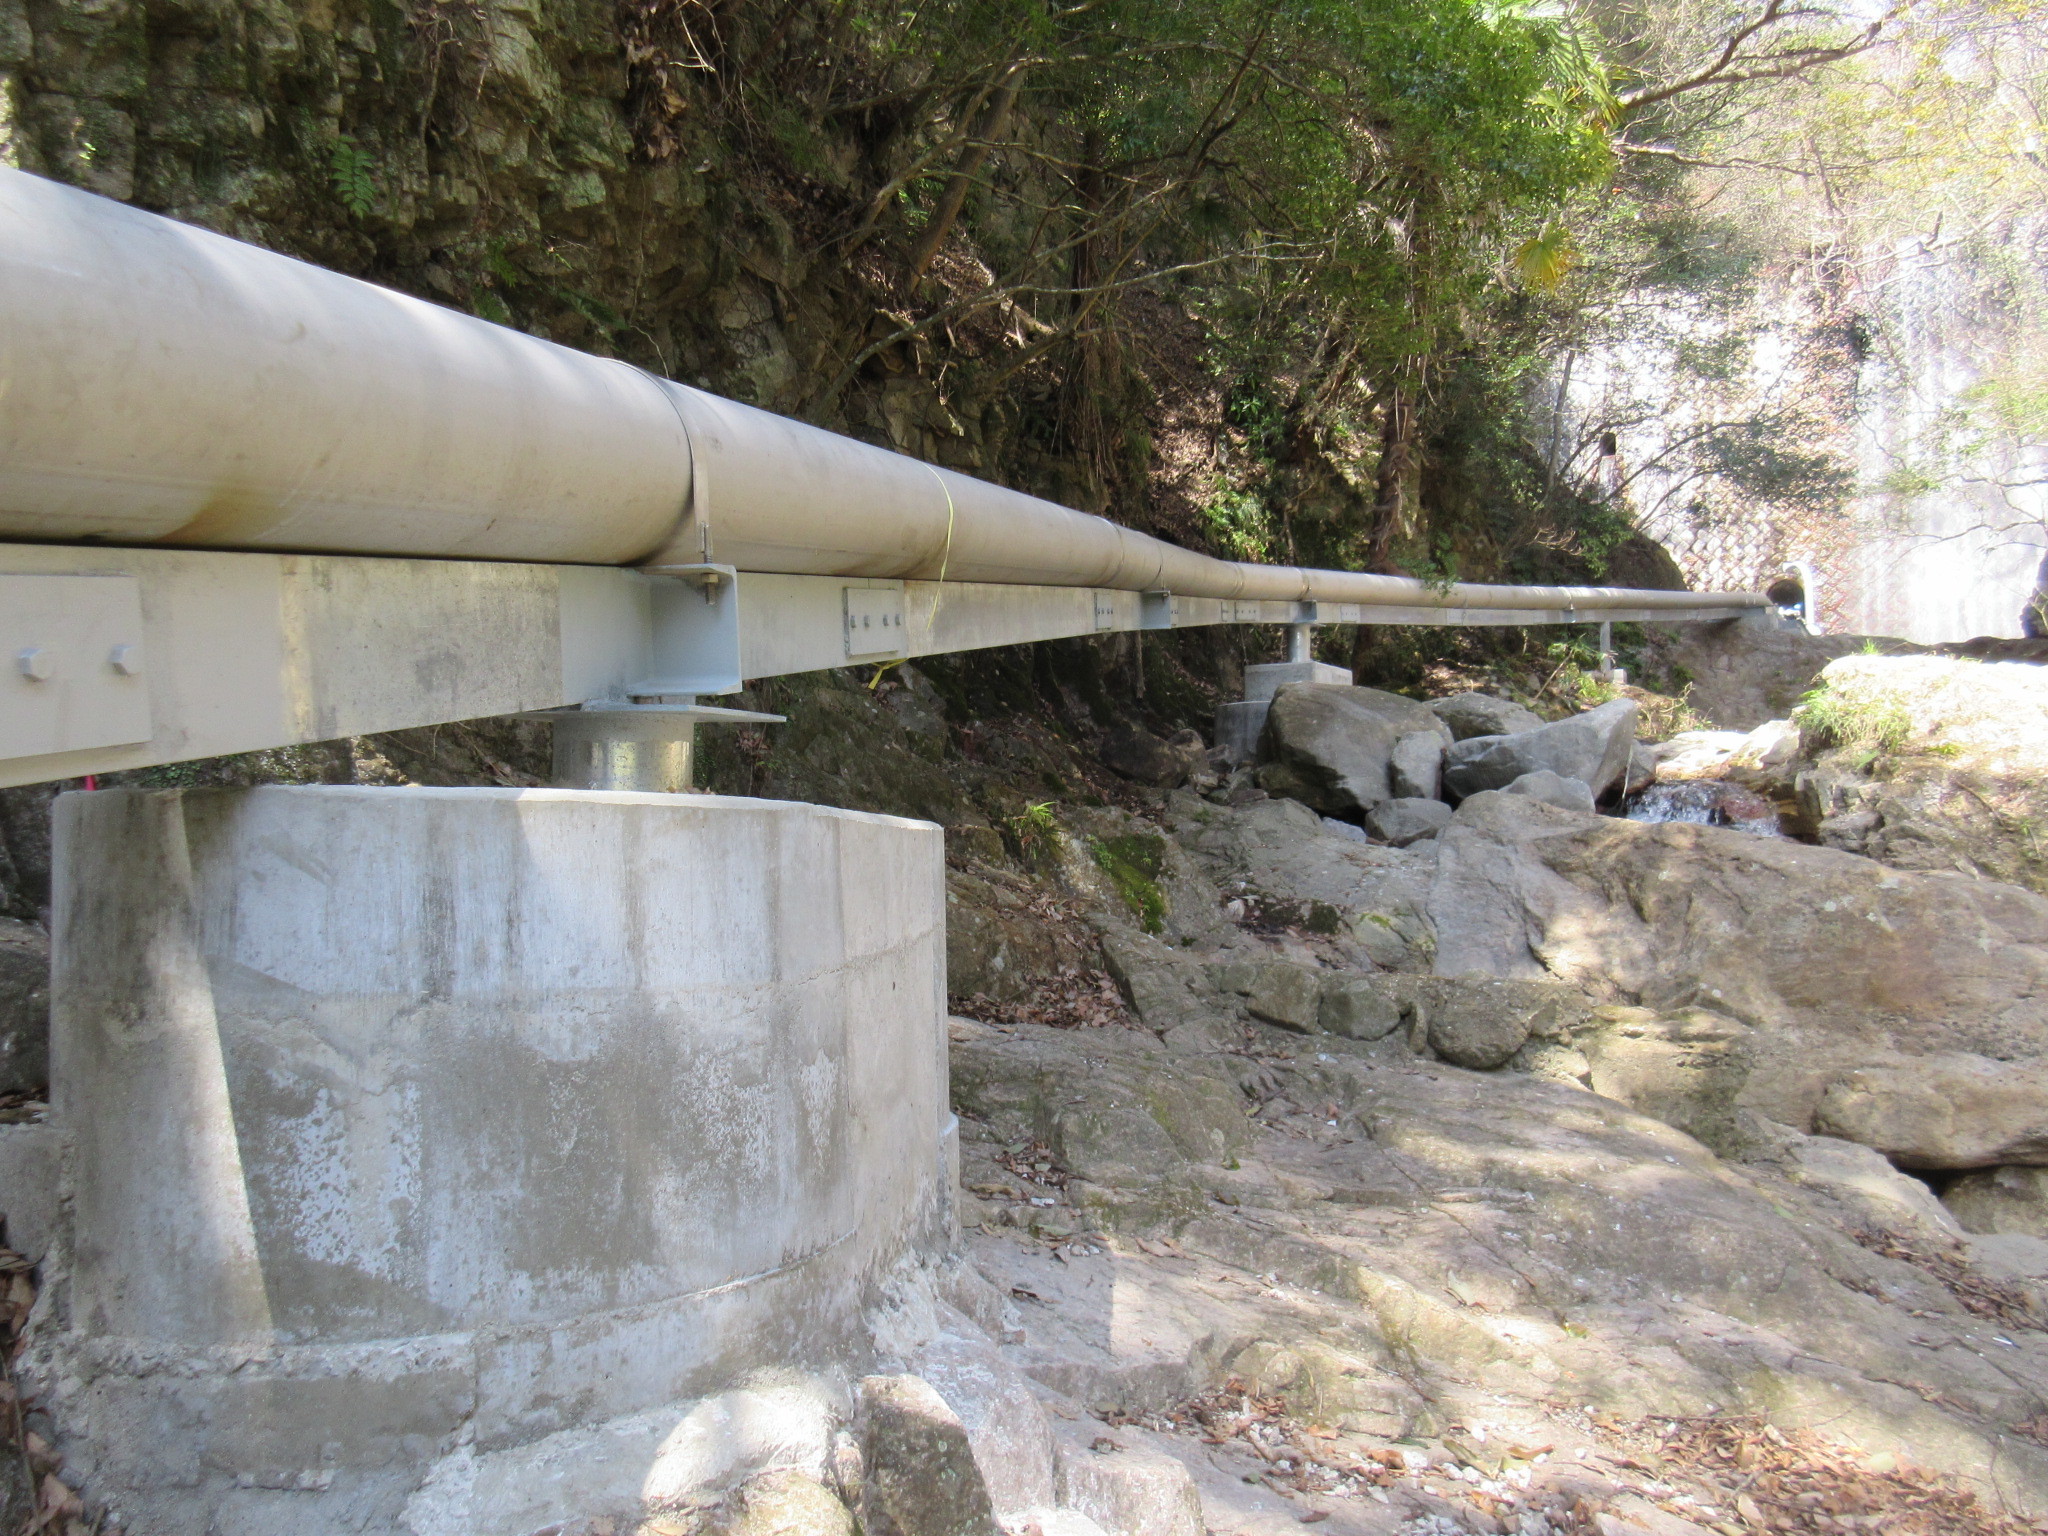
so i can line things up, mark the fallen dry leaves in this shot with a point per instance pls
(2006, 1304)
(1296, 1455)
(1799, 1484)
(1073, 999)
(1735, 1475)
(55, 1509)
(1033, 1162)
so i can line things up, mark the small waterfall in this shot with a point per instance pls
(1708, 802)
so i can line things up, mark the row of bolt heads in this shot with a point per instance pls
(38, 663)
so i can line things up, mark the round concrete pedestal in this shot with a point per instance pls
(409, 1127)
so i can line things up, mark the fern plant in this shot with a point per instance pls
(350, 165)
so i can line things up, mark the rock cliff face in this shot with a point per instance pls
(511, 159)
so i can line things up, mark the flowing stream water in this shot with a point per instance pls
(1709, 802)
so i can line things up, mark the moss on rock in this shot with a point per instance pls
(1134, 863)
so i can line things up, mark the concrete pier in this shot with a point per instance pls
(410, 1129)
(1239, 725)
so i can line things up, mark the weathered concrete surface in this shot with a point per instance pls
(411, 1127)
(1265, 679)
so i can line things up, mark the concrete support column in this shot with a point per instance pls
(414, 1129)
(1240, 725)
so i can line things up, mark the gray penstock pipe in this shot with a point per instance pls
(160, 384)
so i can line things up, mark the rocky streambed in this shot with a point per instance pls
(1378, 1136)
(1504, 1148)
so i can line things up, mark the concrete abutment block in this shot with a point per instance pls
(409, 1128)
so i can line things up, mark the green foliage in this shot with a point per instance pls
(1339, 186)
(1878, 724)
(1545, 259)
(1238, 523)
(596, 311)
(1036, 830)
(350, 168)
(1134, 863)
(492, 308)
(1255, 409)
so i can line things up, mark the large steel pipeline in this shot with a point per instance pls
(160, 384)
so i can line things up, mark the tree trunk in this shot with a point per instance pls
(995, 121)
(1390, 491)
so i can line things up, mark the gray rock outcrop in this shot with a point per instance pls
(1379, 894)
(1951, 1110)
(1332, 747)
(1834, 962)
(1482, 714)
(1554, 789)
(918, 1474)
(1592, 747)
(1870, 1192)
(1415, 767)
(24, 1007)
(1389, 1214)
(1687, 1069)
(2001, 1200)
(1407, 820)
(1284, 994)
(1961, 738)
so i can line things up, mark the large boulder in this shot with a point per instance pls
(1482, 1023)
(1592, 747)
(1416, 767)
(1930, 763)
(1481, 714)
(1406, 820)
(918, 1474)
(1835, 962)
(1332, 747)
(1743, 672)
(1952, 1110)
(1554, 789)
(1359, 1008)
(1695, 754)
(2001, 1200)
(1479, 1038)
(1138, 755)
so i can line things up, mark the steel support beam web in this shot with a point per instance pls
(124, 658)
